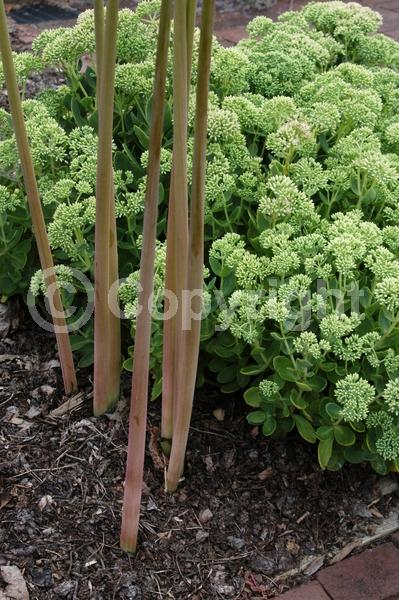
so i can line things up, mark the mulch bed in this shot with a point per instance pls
(248, 512)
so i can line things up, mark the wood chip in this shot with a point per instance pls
(205, 515)
(388, 527)
(12, 584)
(68, 406)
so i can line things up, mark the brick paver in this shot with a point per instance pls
(372, 575)
(311, 591)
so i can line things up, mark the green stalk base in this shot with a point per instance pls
(166, 445)
(98, 411)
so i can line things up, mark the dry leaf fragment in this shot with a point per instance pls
(263, 475)
(293, 548)
(314, 565)
(153, 447)
(44, 502)
(4, 500)
(33, 412)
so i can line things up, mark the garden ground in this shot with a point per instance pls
(251, 519)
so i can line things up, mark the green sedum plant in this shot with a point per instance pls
(301, 210)
(315, 307)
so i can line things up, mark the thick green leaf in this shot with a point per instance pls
(76, 112)
(269, 425)
(325, 432)
(86, 360)
(227, 374)
(252, 369)
(230, 388)
(128, 364)
(317, 383)
(306, 429)
(380, 466)
(228, 284)
(142, 137)
(284, 368)
(357, 455)
(304, 387)
(297, 400)
(156, 389)
(344, 435)
(324, 452)
(215, 266)
(216, 364)
(336, 462)
(333, 410)
(370, 195)
(256, 418)
(252, 397)
(355, 185)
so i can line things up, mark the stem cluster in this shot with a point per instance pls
(184, 262)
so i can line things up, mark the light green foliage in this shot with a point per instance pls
(26, 64)
(230, 71)
(321, 329)
(301, 223)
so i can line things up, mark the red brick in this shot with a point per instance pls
(372, 575)
(312, 591)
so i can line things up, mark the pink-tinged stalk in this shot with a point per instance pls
(104, 394)
(114, 352)
(35, 208)
(192, 332)
(191, 17)
(170, 354)
(169, 340)
(142, 343)
(114, 320)
(99, 19)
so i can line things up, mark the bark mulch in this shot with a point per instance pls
(251, 519)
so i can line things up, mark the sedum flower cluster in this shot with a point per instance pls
(301, 218)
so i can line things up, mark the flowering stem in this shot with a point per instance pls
(114, 321)
(170, 337)
(99, 34)
(188, 367)
(139, 397)
(106, 381)
(35, 208)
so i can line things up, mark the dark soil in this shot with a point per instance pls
(248, 511)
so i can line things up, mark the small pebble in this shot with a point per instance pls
(205, 515)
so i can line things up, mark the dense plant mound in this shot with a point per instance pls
(302, 218)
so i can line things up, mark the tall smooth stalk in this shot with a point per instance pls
(186, 381)
(99, 16)
(106, 325)
(39, 226)
(170, 338)
(139, 397)
(115, 324)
